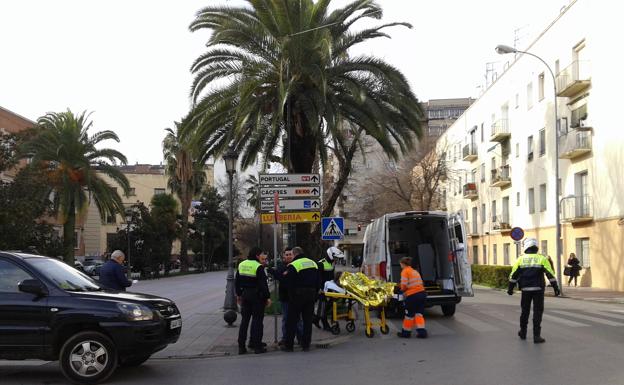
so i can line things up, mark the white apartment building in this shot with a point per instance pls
(501, 151)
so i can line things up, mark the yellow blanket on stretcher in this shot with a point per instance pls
(368, 291)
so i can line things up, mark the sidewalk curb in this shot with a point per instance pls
(549, 294)
(271, 348)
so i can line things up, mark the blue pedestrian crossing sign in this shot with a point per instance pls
(332, 228)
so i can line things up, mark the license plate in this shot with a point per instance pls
(176, 323)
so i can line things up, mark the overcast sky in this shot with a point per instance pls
(128, 61)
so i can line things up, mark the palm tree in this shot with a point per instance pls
(278, 73)
(252, 192)
(186, 179)
(68, 155)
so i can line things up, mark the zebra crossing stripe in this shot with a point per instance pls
(589, 318)
(436, 328)
(611, 314)
(564, 321)
(500, 316)
(474, 323)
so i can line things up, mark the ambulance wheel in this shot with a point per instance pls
(448, 310)
(350, 326)
(369, 334)
(384, 329)
(335, 329)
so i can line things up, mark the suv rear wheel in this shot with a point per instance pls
(88, 358)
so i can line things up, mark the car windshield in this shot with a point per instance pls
(91, 263)
(64, 275)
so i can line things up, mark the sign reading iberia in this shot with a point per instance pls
(292, 217)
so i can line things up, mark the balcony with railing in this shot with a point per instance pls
(577, 209)
(501, 223)
(469, 152)
(470, 191)
(574, 144)
(473, 230)
(501, 177)
(574, 79)
(500, 131)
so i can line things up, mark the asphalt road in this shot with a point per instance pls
(585, 345)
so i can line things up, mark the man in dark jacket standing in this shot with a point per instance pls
(252, 291)
(303, 284)
(279, 274)
(112, 273)
(528, 272)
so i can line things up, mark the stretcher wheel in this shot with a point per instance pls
(350, 326)
(335, 329)
(371, 334)
(384, 329)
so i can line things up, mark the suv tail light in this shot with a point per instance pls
(382, 271)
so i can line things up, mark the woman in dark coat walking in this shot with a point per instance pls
(575, 268)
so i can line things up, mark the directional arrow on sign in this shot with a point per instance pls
(290, 192)
(291, 204)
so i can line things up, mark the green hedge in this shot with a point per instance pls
(494, 276)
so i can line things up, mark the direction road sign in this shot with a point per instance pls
(332, 228)
(291, 204)
(517, 233)
(292, 217)
(289, 179)
(290, 192)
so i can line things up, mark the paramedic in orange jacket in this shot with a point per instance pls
(415, 295)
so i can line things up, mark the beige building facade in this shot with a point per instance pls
(501, 151)
(145, 182)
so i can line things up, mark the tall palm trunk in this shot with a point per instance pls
(69, 228)
(186, 202)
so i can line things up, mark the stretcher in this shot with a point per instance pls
(349, 315)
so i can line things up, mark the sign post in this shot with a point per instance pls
(288, 198)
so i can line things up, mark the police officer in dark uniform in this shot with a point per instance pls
(253, 294)
(326, 271)
(303, 286)
(528, 272)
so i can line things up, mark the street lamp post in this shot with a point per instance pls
(230, 158)
(504, 49)
(203, 233)
(128, 221)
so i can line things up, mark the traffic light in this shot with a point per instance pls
(359, 227)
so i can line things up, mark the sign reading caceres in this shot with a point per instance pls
(290, 179)
(290, 192)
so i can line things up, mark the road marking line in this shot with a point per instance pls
(564, 321)
(436, 328)
(475, 323)
(612, 314)
(589, 318)
(500, 316)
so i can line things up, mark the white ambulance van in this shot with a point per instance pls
(436, 242)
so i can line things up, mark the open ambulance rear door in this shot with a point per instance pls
(461, 267)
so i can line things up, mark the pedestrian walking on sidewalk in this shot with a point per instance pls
(252, 291)
(575, 268)
(528, 272)
(415, 295)
(280, 273)
(303, 286)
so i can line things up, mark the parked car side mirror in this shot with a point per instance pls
(32, 286)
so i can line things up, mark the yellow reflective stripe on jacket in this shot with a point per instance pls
(248, 268)
(411, 281)
(326, 265)
(303, 263)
